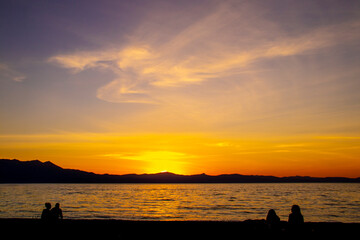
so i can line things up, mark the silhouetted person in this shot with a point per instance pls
(272, 218)
(295, 217)
(46, 213)
(56, 212)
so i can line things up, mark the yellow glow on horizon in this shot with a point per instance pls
(157, 161)
(190, 153)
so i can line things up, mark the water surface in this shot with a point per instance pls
(236, 202)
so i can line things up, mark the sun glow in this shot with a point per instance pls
(190, 153)
(157, 161)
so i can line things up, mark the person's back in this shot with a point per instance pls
(295, 217)
(56, 212)
(46, 213)
(272, 218)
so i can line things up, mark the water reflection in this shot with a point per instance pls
(319, 202)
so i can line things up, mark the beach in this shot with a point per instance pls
(124, 229)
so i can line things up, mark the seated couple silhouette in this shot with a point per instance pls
(295, 217)
(51, 214)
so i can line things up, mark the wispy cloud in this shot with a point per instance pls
(7, 72)
(157, 161)
(213, 46)
(151, 156)
(338, 137)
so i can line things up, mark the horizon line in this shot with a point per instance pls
(168, 172)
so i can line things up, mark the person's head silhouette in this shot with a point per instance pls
(295, 209)
(57, 205)
(48, 205)
(271, 212)
(272, 217)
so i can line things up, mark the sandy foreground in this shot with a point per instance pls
(121, 229)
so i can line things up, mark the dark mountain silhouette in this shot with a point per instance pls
(15, 171)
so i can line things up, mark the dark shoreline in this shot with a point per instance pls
(118, 229)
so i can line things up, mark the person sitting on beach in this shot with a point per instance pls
(46, 213)
(56, 212)
(272, 218)
(295, 217)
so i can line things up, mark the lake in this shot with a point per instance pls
(319, 202)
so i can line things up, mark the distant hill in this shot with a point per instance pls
(15, 171)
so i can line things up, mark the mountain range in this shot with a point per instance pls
(15, 171)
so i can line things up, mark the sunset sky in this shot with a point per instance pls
(192, 86)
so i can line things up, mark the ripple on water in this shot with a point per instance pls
(319, 202)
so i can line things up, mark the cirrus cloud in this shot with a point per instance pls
(213, 46)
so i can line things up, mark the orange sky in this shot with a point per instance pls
(191, 153)
(201, 86)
